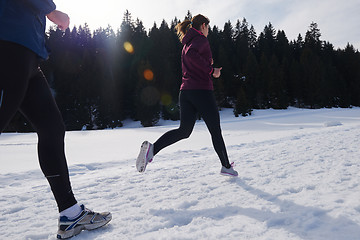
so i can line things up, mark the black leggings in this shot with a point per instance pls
(23, 88)
(191, 103)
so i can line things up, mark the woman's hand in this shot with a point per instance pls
(59, 18)
(217, 72)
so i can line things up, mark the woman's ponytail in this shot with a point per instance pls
(195, 22)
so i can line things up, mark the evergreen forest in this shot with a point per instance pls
(103, 77)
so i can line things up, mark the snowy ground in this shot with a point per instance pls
(299, 179)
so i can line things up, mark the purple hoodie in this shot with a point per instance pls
(196, 61)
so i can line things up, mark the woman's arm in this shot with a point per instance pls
(198, 61)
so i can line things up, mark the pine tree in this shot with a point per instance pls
(312, 38)
(349, 68)
(226, 60)
(147, 98)
(266, 41)
(251, 78)
(242, 44)
(98, 79)
(242, 105)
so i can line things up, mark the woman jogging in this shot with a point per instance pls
(24, 88)
(196, 95)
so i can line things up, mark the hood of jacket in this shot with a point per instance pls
(190, 35)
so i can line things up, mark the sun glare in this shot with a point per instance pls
(148, 74)
(128, 47)
(166, 99)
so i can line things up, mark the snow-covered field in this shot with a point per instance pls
(299, 178)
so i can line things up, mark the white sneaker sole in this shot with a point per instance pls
(228, 174)
(141, 161)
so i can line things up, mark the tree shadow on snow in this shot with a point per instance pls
(306, 222)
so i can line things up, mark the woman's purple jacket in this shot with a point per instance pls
(196, 61)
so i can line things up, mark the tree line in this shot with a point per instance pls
(103, 77)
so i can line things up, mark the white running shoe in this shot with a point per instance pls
(229, 171)
(88, 220)
(145, 156)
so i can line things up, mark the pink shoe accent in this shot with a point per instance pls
(147, 153)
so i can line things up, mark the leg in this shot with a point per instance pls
(206, 105)
(40, 109)
(14, 75)
(187, 122)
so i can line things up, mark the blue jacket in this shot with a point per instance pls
(24, 21)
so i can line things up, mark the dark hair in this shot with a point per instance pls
(195, 22)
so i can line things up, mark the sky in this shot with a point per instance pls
(338, 21)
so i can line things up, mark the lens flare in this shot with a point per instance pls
(148, 74)
(128, 47)
(166, 99)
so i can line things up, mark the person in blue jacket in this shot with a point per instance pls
(24, 88)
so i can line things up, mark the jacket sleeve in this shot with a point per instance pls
(42, 7)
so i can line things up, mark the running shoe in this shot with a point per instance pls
(145, 156)
(229, 171)
(87, 220)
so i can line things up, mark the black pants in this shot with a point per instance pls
(23, 88)
(191, 103)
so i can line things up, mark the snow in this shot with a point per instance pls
(298, 179)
